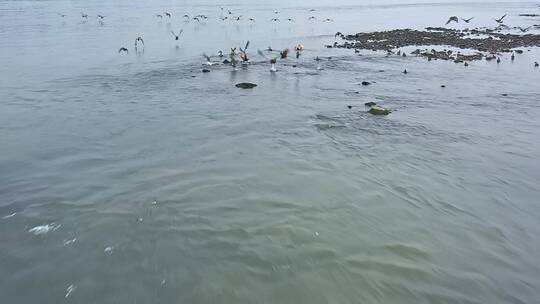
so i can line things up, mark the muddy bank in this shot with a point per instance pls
(483, 40)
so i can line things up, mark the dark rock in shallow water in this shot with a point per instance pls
(246, 85)
(205, 70)
(443, 86)
(226, 61)
(365, 83)
(370, 104)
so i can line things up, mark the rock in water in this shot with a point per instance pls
(366, 83)
(246, 85)
(377, 110)
(206, 71)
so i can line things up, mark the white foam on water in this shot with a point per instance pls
(9, 215)
(70, 290)
(108, 249)
(43, 229)
(69, 242)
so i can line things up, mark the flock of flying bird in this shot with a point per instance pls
(241, 56)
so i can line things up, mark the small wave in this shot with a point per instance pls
(43, 229)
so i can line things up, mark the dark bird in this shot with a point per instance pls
(513, 56)
(452, 19)
(467, 20)
(274, 19)
(61, 15)
(83, 15)
(500, 20)
(230, 13)
(159, 16)
(524, 30)
(312, 18)
(498, 59)
(137, 41)
(251, 19)
(328, 20)
(312, 10)
(338, 34)
(536, 64)
(123, 49)
(405, 71)
(269, 49)
(196, 18)
(186, 16)
(290, 19)
(177, 37)
(238, 18)
(297, 54)
(466, 64)
(284, 53)
(167, 14)
(101, 17)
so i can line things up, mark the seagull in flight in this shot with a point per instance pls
(452, 19)
(167, 14)
(467, 20)
(101, 17)
(177, 37)
(312, 18)
(251, 19)
(500, 20)
(290, 19)
(524, 30)
(275, 19)
(123, 49)
(83, 15)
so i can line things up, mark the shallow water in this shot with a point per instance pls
(138, 179)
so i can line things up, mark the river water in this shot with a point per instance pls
(136, 178)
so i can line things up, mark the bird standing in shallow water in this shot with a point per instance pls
(498, 59)
(137, 41)
(513, 56)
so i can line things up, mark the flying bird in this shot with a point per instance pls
(251, 19)
(467, 20)
(196, 18)
(159, 15)
(524, 30)
(452, 19)
(101, 17)
(328, 20)
(312, 18)
(290, 19)
(61, 15)
(274, 19)
(243, 54)
(83, 15)
(167, 14)
(123, 49)
(500, 20)
(177, 37)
